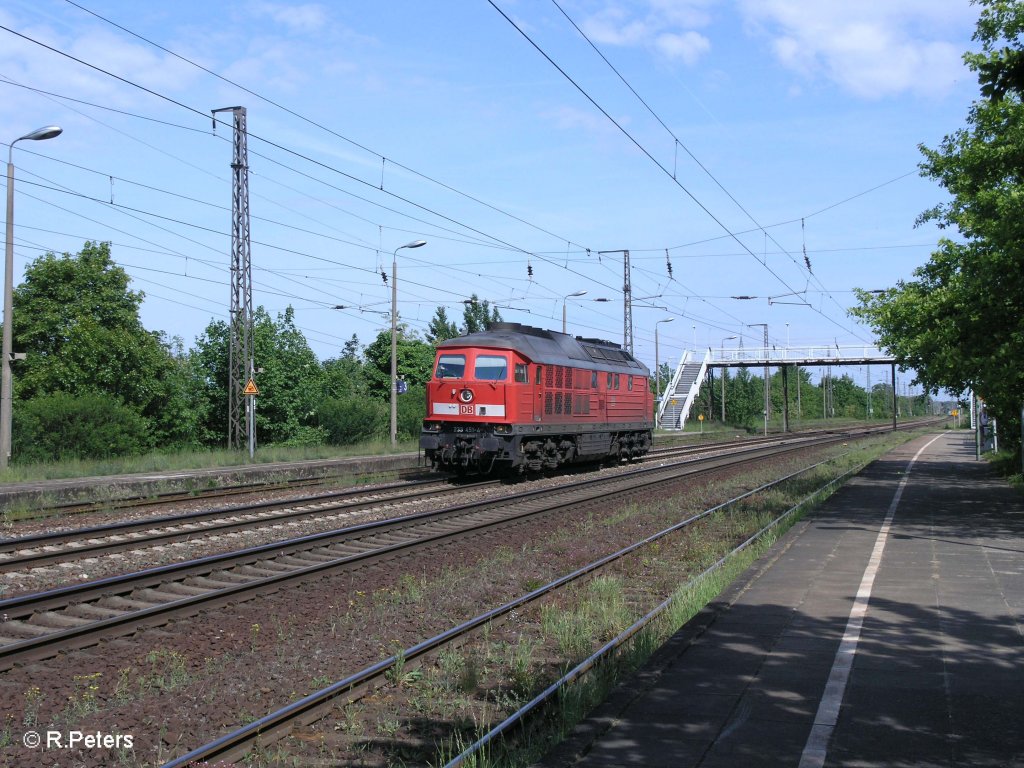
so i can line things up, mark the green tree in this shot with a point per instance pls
(343, 376)
(209, 358)
(415, 364)
(478, 315)
(441, 328)
(960, 322)
(848, 399)
(78, 324)
(414, 358)
(289, 376)
(182, 421)
(351, 349)
(744, 398)
(290, 381)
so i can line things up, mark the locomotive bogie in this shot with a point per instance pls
(521, 399)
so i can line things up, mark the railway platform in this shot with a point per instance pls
(150, 483)
(886, 629)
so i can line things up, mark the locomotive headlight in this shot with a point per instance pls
(466, 396)
(503, 429)
(431, 426)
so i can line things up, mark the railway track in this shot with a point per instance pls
(33, 551)
(42, 624)
(271, 728)
(61, 546)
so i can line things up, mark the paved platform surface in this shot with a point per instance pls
(885, 630)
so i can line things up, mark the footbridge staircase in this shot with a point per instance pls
(677, 400)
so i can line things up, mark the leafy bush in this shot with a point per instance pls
(349, 420)
(412, 408)
(306, 436)
(63, 426)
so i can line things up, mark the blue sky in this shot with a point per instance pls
(758, 130)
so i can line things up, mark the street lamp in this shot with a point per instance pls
(721, 348)
(394, 337)
(657, 369)
(6, 399)
(577, 293)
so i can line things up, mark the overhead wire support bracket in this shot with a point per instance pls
(775, 299)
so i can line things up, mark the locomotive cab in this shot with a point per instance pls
(469, 416)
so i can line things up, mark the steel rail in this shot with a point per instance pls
(88, 542)
(109, 538)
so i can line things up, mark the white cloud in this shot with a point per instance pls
(28, 63)
(871, 48)
(613, 26)
(687, 47)
(307, 18)
(666, 26)
(584, 121)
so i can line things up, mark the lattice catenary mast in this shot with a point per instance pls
(240, 352)
(627, 302)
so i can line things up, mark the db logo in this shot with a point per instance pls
(466, 410)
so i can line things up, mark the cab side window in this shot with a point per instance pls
(522, 377)
(540, 375)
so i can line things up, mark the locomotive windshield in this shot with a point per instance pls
(451, 366)
(490, 368)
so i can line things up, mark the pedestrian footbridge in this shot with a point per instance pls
(677, 399)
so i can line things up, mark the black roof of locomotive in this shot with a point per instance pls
(551, 348)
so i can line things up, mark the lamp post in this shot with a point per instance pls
(394, 337)
(657, 369)
(721, 353)
(7, 398)
(566, 298)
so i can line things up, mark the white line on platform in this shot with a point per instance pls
(816, 748)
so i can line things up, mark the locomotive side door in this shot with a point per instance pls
(524, 392)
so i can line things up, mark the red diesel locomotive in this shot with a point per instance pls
(524, 399)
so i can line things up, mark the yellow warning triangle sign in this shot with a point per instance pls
(250, 388)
